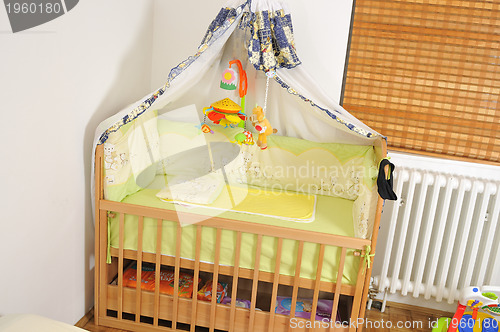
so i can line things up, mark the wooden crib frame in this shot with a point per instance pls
(116, 306)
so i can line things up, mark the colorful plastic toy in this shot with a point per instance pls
(206, 129)
(229, 79)
(245, 137)
(225, 112)
(248, 138)
(481, 301)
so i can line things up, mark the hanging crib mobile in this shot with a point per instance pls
(226, 112)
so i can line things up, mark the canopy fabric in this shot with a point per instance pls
(264, 29)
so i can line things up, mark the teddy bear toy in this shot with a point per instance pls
(263, 126)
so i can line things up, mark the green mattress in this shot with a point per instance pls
(333, 216)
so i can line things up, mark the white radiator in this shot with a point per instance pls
(442, 234)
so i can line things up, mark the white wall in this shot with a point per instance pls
(178, 31)
(321, 29)
(57, 82)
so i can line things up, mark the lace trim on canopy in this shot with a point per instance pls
(271, 44)
(349, 125)
(219, 25)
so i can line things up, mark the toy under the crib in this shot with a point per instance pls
(303, 307)
(482, 301)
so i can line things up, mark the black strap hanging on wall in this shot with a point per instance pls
(385, 183)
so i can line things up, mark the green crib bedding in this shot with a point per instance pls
(333, 216)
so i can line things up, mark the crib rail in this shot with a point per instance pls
(138, 309)
(140, 303)
(237, 225)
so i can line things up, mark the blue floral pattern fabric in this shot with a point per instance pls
(225, 14)
(272, 45)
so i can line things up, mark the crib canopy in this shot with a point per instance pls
(180, 139)
(260, 34)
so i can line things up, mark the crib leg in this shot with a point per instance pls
(98, 195)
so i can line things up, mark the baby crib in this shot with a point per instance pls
(140, 310)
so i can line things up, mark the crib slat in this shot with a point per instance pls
(120, 265)
(358, 293)
(157, 271)
(295, 291)
(176, 276)
(275, 285)
(99, 250)
(138, 292)
(317, 283)
(195, 279)
(255, 283)
(340, 273)
(215, 280)
(236, 270)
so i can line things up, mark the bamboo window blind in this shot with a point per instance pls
(426, 73)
